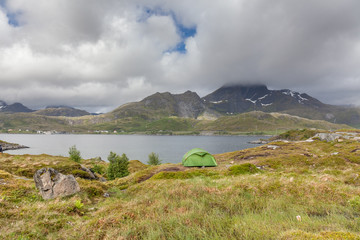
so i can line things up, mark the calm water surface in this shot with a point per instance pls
(170, 148)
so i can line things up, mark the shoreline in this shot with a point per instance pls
(11, 146)
(169, 133)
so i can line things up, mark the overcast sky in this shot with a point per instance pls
(97, 55)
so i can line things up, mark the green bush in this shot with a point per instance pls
(118, 166)
(98, 169)
(355, 203)
(154, 159)
(246, 168)
(74, 154)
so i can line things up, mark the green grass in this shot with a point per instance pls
(234, 200)
(296, 135)
(245, 168)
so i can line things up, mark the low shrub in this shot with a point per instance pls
(355, 203)
(5, 175)
(98, 169)
(74, 154)
(246, 168)
(118, 167)
(295, 135)
(154, 159)
(92, 188)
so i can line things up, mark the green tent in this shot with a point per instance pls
(198, 157)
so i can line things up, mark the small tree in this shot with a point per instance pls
(154, 159)
(118, 166)
(74, 154)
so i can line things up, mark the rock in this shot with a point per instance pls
(52, 184)
(258, 142)
(101, 179)
(273, 147)
(328, 137)
(91, 173)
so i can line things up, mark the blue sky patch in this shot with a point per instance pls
(184, 32)
(12, 16)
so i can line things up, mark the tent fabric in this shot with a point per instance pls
(198, 157)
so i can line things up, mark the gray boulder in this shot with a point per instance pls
(328, 137)
(52, 184)
(91, 173)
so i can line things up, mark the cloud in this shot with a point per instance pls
(101, 54)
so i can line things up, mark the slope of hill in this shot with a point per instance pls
(252, 122)
(264, 122)
(186, 105)
(62, 111)
(33, 122)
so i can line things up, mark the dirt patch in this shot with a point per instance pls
(172, 169)
(255, 156)
(144, 178)
(349, 161)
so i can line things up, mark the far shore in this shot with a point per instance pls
(160, 133)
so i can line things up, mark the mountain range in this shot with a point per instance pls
(65, 111)
(188, 111)
(235, 99)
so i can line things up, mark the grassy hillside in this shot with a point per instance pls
(62, 111)
(241, 123)
(350, 115)
(33, 122)
(296, 190)
(260, 121)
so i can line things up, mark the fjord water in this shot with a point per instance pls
(170, 148)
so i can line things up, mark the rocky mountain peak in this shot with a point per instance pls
(187, 104)
(13, 108)
(232, 99)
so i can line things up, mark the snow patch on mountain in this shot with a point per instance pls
(265, 105)
(295, 95)
(218, 102)
(253, 101)
(259, 99)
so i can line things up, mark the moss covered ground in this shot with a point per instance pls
(282, 190)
